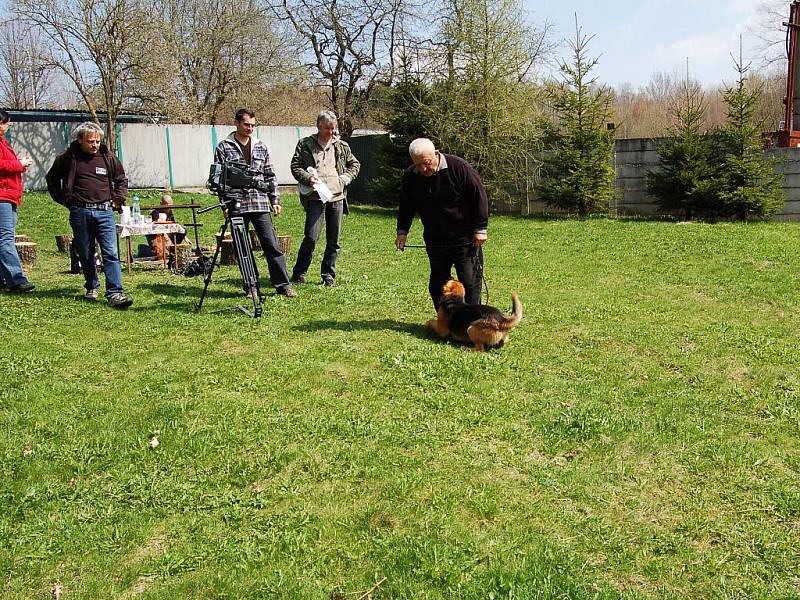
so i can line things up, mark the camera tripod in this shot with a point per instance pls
(243, 252)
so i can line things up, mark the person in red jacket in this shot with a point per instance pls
(11, 170)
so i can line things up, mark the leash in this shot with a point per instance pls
(477, 261)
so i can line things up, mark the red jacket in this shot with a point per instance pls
(11, 171)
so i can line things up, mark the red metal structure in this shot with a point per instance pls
(789, 135)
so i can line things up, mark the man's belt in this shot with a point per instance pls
(94, 205)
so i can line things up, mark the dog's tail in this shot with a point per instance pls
(515, 316)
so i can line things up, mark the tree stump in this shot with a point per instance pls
(285, 244)
(255, 243)
(64, 242)
(227, 255)
(183, 254)
(21, 237)
(27, 253)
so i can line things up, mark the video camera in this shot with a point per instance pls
(228, 176)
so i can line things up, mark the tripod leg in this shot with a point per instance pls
(207, 278)
(247, 263)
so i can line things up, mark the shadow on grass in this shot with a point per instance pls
(192, 289)
(415, 329)
(74, 291)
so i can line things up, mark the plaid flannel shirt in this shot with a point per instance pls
(254, 200)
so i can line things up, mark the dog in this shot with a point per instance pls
(481, 325)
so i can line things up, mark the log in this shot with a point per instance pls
(21, 237)
(63, 242)
(27, 253)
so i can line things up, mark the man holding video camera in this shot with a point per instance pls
(255, 204)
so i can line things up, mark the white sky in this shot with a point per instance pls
(635, 38)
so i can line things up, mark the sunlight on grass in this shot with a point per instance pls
(637, 438)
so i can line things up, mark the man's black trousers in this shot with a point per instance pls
(468, 261)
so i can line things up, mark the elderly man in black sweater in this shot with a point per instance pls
(447, 194)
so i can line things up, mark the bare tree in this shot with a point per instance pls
(351, 46)
(98, 44)
(769, 29)
(25, 80)
(213, 52)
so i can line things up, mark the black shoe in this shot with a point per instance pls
(288, 292)
(328, 282)
(22, 288)
(298, 279)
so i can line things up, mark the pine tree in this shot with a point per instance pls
(409, 104)
(747, 184)
(683, 181)
(577, 170)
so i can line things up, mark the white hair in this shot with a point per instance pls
(421, 147)
(327, 116)
(88, 127)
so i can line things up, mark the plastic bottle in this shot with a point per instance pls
(136, 211)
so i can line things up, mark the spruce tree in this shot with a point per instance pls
(747, 184)
(577, 170)
(683, 181)
(408, 117)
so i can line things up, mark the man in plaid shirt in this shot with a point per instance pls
(255, 206)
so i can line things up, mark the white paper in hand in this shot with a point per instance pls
(325, 193)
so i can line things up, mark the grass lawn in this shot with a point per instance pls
(637, 438)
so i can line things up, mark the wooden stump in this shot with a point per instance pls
(21, 237)
(285, 244)
(183, 254)
(227, 255)
(255, 243)
(27, 253)
(64, 242)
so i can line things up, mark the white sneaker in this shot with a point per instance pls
(91, 294)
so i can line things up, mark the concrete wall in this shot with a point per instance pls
(634, 158)
(154, 156)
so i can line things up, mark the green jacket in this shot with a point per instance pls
(304, 158)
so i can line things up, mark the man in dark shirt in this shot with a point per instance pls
(91, 182)
(447, 194)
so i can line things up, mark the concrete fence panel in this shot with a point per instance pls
(190, 152)
(42, 142)
(143, 151)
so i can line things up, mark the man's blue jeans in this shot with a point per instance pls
(332, 212)
(88, 225)
(10, 268)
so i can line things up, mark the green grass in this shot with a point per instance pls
(637, 438)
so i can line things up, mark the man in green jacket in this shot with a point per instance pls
(324, 166)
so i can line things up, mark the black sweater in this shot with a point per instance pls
(451, 204)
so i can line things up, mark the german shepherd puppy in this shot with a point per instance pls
(483, 326)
